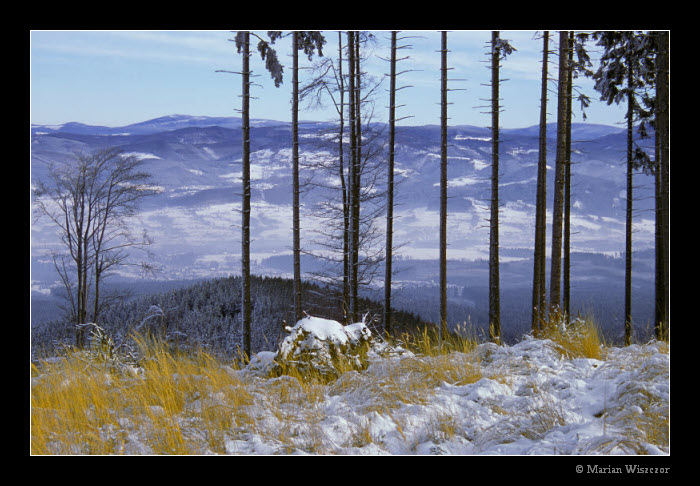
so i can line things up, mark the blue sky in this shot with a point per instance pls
(115, 78)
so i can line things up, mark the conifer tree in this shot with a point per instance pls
(619, 78)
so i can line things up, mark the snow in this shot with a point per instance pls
(530, 400)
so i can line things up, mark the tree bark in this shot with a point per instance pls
(443, 188)
(566, 300)
(354, 167)
(343, 185)
(358, 181)
(494, 292)
(538, 279)
(295, 178)
(662, 316)
(245, 226)
(628, 211)
(559, 174)
(390, 188)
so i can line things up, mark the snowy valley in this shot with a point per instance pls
(195, 161)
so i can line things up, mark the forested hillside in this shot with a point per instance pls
(207, 314)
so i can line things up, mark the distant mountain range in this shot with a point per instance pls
(195, 160)
(174, 122)
(156, 125)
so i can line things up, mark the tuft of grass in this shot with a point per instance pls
(581, 338)
(442, 426)
(428, 342)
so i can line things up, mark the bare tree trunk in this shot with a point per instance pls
(83, 276)
(628, 212)
(557, 210)
(662, 141)
(390, 188)
(343, 185)
(538, 278)
(245, 226)
(358, 181)
(567, 189)
(295, 178)
(494, 293)
(443, 189)
(354, 167)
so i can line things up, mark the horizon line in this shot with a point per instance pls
(33, 124)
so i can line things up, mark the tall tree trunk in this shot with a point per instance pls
(659, 291)
(245, 226)
(295, 177)
(353, 239)
(662, 315)
(343, 186)
(628, 212)
(494, 292)
(559, 174)
(82, 262)
(358, 182)
(390, 188)
(443, 188)
(538, 274)
(567, 189)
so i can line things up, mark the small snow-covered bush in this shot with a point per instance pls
(324, 346)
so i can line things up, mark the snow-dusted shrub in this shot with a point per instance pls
(324, 346)
(104, 350)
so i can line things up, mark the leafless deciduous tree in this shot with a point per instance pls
(91, 199)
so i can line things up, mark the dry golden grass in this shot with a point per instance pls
(580, 339)
(428, 341)
(79, 406)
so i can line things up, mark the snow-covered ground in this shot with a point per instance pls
(505, 400)
(529, 400)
